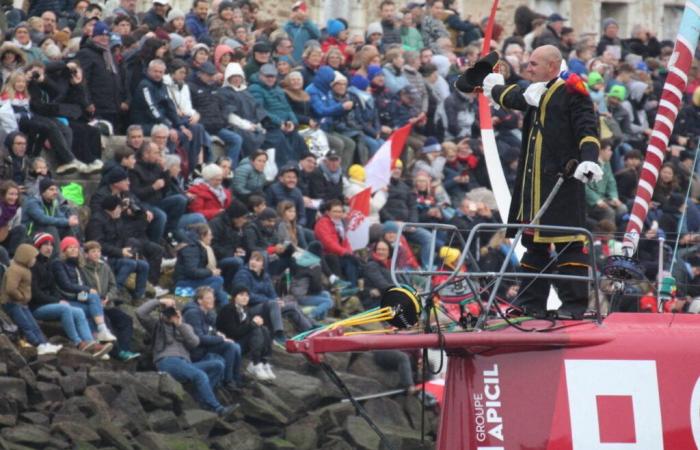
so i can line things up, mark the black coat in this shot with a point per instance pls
(259, 238)
(44, 288)
(562, 128)
(104, 86)
(134, 216)
(226, 238)
(400, 203)
(208, 105)
(142, 178)
(230, 322)
(112, 234)
(320, 187)
(192, 263)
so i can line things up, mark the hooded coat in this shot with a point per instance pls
(17, 281)
(323, 104)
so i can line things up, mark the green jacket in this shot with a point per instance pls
(411, 39)
(274, 101)
(101, 278)
(605, 189)
(247, 180)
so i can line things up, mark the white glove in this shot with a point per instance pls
(534, 92)
(491, 80)
(588, 171)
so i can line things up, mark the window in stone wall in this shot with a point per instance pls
(619, 12)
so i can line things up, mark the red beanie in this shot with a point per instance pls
(69, 241)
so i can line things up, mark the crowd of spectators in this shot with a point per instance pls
(257, 233)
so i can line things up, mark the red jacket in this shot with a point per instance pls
(328, 237)
(342, 46)
(206, 202)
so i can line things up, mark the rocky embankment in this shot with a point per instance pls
(71, 401)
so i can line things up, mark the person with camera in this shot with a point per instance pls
(134, 217)
(72, 284)
(172, 340)
(106, 227)
(213, 345)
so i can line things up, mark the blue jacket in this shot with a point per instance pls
(192, 263)
(197, 28)
(35, 213)
(323, 105)
(260, 286)
(151, 105)
(277, 192)
(301, 33)
(204, 326)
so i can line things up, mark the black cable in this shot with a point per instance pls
(358, 407)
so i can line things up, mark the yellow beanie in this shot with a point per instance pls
(357, 172)
(449, 256)
(398, 163)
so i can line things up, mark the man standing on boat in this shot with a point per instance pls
(559, 126)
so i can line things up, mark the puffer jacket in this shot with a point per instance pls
(192, 263)
(207, 105)
(151, 105)
(204, 326)
(69, 277)
(400, 203)
(226, 238)
(17, 281)
(142, 178)
(330, 240)
(44, 288)
(273, 100)
(323, 104)
(260, 287)
(247, 180)
(206, 202)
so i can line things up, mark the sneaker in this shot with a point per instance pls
(166, 263)
(105, 336)
(161, 291)
(280, 341)
(95, 166)
(127, 356)
(258, 371)
(268, 368)
(225, 412)
(105, 357)
(98, 350)
(47, 349)
(86, 346)
(69, 167)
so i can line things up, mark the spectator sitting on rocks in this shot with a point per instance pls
(200, 315)
(228, 240)
(196, 264)
(236, 322)
(124, 157)
(100, 277)
(47, 304)
(326, 182)
(261, 235)
(285, 189)
(172, 340)
(331, 232)
(43, 213)
(15, 295)
(12, 232)
(14, 162)
(72, 284)
(248, 178)
(209, 197)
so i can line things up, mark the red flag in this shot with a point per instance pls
(378, 169)
(358, 222)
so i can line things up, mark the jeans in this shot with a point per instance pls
(123, 267)
(204, 375)
(233, 144)
(24, 320)
(92, 308)
(372, 144)
(423, 238)
(72, 319)
(122, 326)
(322, 302)
(271, 312)
(230, 353)
(229, 266)
(214, 282)
(166, 214)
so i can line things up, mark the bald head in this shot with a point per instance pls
(544, 64)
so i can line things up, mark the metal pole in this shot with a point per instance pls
(660, 274)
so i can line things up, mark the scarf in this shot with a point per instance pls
(219, 192)
(298, 95)
(107, 56)
(23, 47)
(211, 258)
(7, 213)
(339, 228)
(333, 177)
(386, 263)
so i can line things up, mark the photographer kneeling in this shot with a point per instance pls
(172, 340)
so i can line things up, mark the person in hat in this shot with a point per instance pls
(337, 37)
(175, 23)
(42, 213)
(261, 55)
(101, 74)
(155, 17)
(107, 227)
(326, 181)
(356, 183)
(261, 236)
(127, 8)
(563, 127)
(21, 38)
(228, 239)
(222, 24)
(196, 21)
(12, 232)
(282, 134)
(72, 284)
(552, 33)
(610, 41)
(300, 28)
(366, 112)
(208, 196)
(286, 189)
(614, 99)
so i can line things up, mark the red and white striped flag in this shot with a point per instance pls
(378, 169)
(358, 219)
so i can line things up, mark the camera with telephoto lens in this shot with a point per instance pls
(168, 311)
